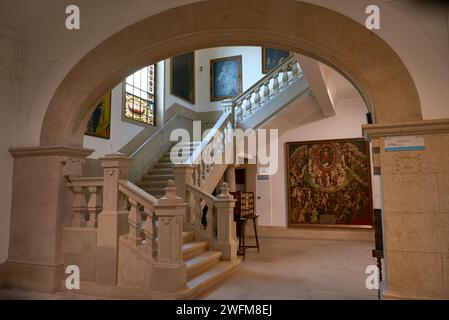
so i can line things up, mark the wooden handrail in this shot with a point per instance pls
(141, 196)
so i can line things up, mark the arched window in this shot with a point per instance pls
(139, 96)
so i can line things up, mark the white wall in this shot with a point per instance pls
(251, 73)
(123, 131)
(350, 115)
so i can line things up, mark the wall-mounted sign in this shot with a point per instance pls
(404, 143)
(263, 177)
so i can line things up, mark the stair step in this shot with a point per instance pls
(210, 278)
(194, 248)
(188, 236)
(201, 263)
(158, 177)
(162, 165)
(154, 191)
(154, 183)
(160, 171)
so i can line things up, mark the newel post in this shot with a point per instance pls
(183, 175)
(226, 233)
(169, 271)
(113, 220)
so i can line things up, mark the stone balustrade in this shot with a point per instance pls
(87, 200)
(274, 83)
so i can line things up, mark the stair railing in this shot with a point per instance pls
(264, 90)
(203, 157)
(212, 219)
(87, 200)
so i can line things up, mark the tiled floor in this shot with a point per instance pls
(284, 269)
(301, 269)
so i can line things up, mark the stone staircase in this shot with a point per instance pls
(204, 266)
(155, 179)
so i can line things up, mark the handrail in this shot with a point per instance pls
(157, 132)
(141, 196)
(85, 182)
(196, 154)
(207, 196)
(268, 75)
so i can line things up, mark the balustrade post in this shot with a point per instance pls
(169, 271)
(134, 220)
(148, 230)
(79, 207)
(183, 175)
(113, 220)
(226, 233)
(94, 206)
(276, 83)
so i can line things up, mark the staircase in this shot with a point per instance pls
(154, 181)
(165, 210)
(204, 266)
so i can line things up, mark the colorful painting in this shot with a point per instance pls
(182, 80)
(329, 183)
(225, 78)
(271, 58)
(99, 124)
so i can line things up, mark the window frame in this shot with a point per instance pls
(124, 92)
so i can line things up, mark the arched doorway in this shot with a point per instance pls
(364, 58)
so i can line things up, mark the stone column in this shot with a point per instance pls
(230, 177)
(183, 174)
(113, 220)
(169, 273)
(415, 213)
(41, 206)
(226, 240)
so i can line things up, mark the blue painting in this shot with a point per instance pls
(226, 78)
(271, 58)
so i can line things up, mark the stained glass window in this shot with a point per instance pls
(139, 96)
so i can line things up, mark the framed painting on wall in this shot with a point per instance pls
(99, 124)
(329, 183)
(225, 78)
(271, 58)
(182, 77)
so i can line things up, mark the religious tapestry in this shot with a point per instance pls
(329, 183)
(182, 77)
(225, 78)
(271, 58)
(99, 124)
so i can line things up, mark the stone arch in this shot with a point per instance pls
(359, 54)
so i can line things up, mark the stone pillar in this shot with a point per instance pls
(40, 208)
(415, 194)
(183, 174)
(230, 178)
(226, 240)
(113, 220)
(169, 273)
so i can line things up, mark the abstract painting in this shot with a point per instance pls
(182, 71)
(225, 78)
(271, 58)
(329, 183)
(99, 124)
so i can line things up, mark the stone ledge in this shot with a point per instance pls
(407, 128)
(39, 151)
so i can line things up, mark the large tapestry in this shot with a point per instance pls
(182, 77)
(99, 124)
(225, 78)
(329, 183)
